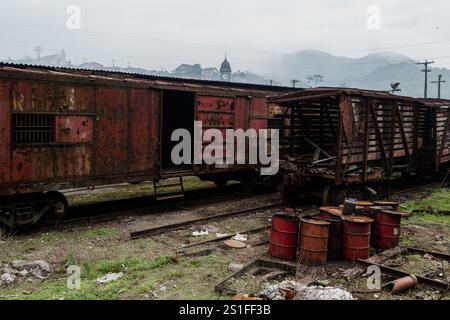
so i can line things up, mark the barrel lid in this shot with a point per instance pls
(364, 203)
(326, 208)
(316, 222)
(235, 244)
(335, 212)
(358, 219)
(284, 217)
(386, 203)
(380, 208)
(357, 207)
(398, 213)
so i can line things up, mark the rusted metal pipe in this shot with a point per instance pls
(402, 284)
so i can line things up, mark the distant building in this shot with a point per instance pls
(189, 71)
(91, 65)
(210, 74)
(58, 59)
(225, 70)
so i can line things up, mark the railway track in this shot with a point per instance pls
(176, 226)
(79, 216)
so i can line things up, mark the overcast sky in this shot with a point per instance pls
(159, 34)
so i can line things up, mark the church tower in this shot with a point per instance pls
(225, 70)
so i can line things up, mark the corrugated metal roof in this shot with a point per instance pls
(430, 102)
(150, 77)
(324, 92)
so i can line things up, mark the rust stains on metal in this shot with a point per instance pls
(356, 237)
(284, 237)
(313, 242)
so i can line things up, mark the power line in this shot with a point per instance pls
(426, 70)
(178, 43)
(438, 82)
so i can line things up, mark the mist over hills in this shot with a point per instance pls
(374, 71)
(310, 68)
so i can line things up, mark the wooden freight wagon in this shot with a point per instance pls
(340, 136)
(434, 119)
(68, 128)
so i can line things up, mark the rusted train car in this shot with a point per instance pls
(67, 128)
(333, 138)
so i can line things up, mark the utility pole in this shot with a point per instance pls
(438, 82)
(294, 82)
(426, 70)
(38, 51)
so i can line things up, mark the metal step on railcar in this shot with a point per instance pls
(169, 189)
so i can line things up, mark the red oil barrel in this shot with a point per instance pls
(386, 230)
(284, 237)
(373, 214)
(334, 238)
(313, 242)
(356, 237)
(391, 204)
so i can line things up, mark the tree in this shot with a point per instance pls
(315, 78)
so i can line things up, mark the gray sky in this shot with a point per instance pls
(164, 33)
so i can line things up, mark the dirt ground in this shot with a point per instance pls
(159, 267)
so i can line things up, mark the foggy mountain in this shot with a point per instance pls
(310, 68)
(374, 71)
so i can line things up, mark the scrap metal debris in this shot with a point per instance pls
(283, 291)
(402, 284)
(235, 267)
(240, 237)
(200, 233)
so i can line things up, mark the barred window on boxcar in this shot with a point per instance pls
(33, 128)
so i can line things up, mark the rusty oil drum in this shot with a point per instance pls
(386, 229)
(284, 237)
(356, 237)
(334, 237)
(313, 242)
(373, 214)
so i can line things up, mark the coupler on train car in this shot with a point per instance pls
(22, 210)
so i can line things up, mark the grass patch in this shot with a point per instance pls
(427, 210)
(439, 200)
(100, 233)
(188, 279)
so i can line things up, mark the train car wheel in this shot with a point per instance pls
(58, 207)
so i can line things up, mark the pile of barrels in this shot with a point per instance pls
(348, 232)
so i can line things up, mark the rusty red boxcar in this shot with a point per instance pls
(65, 128)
